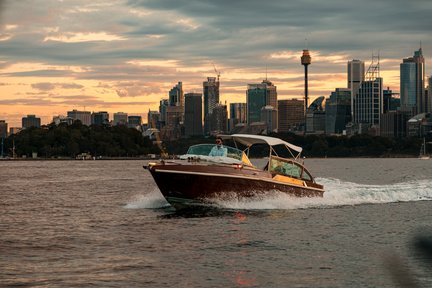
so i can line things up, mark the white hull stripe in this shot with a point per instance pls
(236, 176)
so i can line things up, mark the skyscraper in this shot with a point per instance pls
(176, 97)
(211, 100)
(290, 115)
(412, 82)
(259, 96)
(238, 114)
(368, 103)
(193, 114)
(429, 95)
(338, 110)
(219, 119)
(356, 72)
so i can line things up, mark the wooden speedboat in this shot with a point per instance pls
(197, 178)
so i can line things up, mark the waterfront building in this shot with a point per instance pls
(83, 116)
(193, 114)
(394, 124)
(412, 83)
(211, 100)
(338, 111)
(31, 121)
(356, 72)
(100, 118)
(259, 96)
(420, 125)
(290, 115)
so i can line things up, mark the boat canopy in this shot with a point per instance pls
(249, 140)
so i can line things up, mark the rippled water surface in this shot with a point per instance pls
(105, 224)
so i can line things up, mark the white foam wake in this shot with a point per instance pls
(151, 200)
(339, 193)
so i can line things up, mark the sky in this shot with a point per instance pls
(125, 55)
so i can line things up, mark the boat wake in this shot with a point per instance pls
(337, 193)
(152, 200)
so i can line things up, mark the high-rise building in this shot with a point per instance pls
(31, 121)
(412, 83)
(338, 110)
(368, 103)
(269, 117)
(211, 100)
(153, 119)
(290, 115)
(391, 100)
(120, 118)
(83, 116)
(429, 95)
(259, 96)
(176, 97)
(163, 104)
(219, 119)
(356, 73)
(3, 129)
(100, 118)
(193, 114)
(238, 114)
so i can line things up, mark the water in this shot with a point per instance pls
(105, 224)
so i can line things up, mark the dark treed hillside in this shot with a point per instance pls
(71, 140)
(120, 141)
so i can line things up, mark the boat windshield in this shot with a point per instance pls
(211, 152)
(287, 167)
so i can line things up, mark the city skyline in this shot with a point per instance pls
(56, 56)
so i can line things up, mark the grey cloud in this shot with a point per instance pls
(47, 86)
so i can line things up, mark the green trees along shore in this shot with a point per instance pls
(68, 141)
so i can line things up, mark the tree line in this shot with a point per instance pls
(64, 140)
(70, 140)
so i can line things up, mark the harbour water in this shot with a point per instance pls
(105, 224)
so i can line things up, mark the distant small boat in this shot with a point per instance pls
(423, 155)
(198, 178)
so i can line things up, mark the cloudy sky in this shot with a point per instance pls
(125, 55)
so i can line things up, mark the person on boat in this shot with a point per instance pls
(218, 149)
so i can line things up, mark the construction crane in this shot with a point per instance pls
(217, 72)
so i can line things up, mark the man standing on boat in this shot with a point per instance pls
(218, 149)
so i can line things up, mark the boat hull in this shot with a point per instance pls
(195, 184)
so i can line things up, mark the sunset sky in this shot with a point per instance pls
(124, 56)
